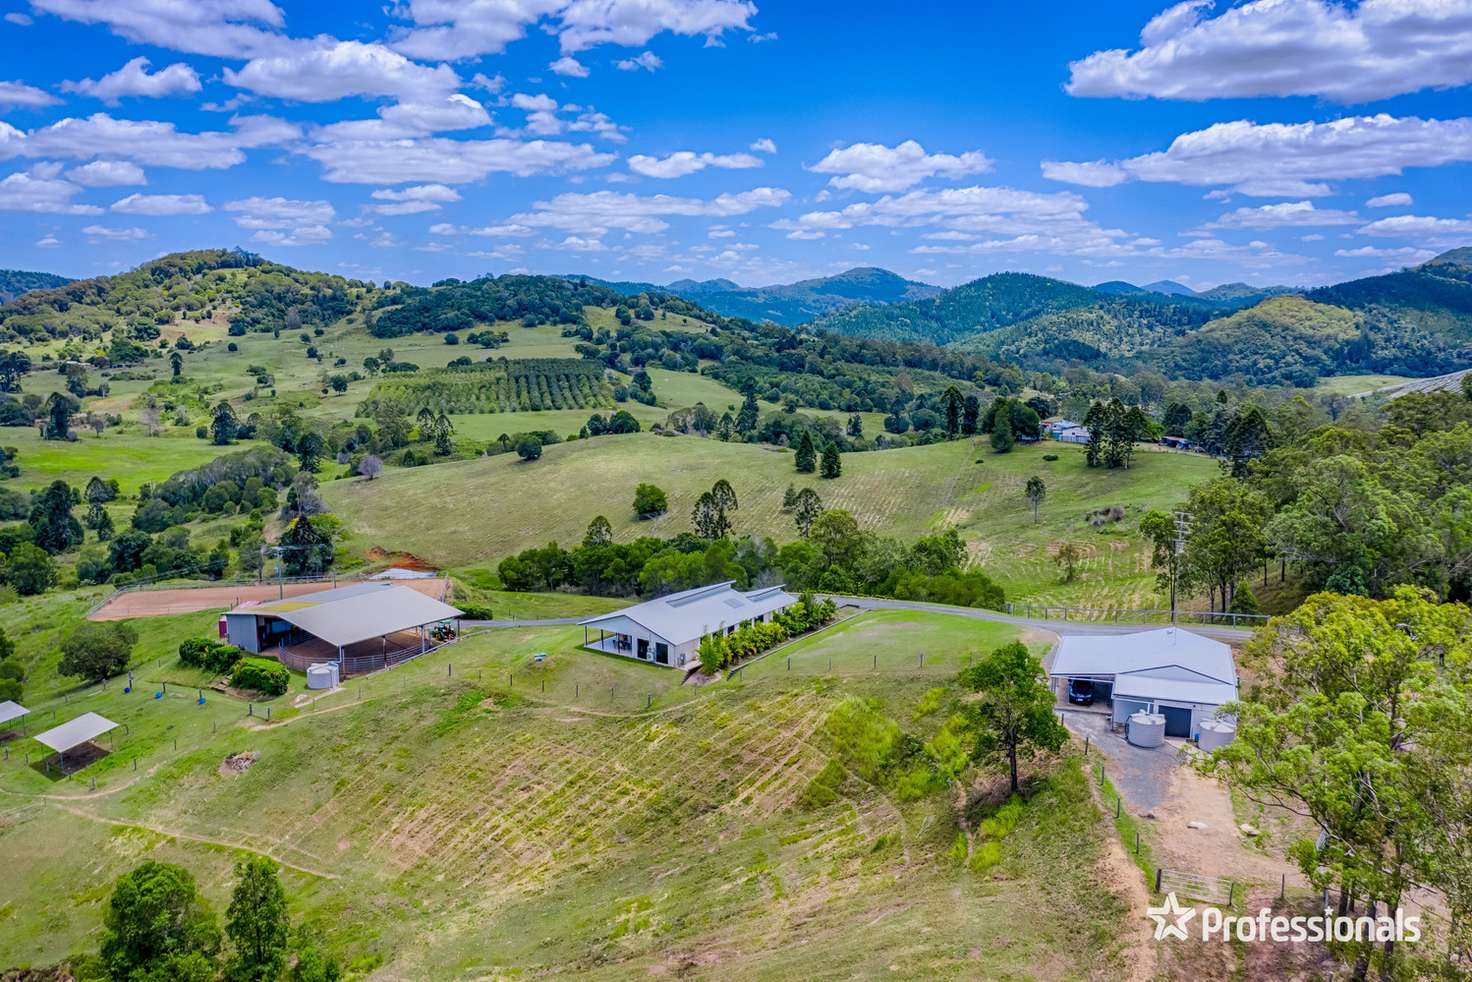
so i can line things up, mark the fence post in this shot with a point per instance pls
(1118, 807)
(789, 663)
(648, 700)
(1158, 871)
(576, 686)
(1137, 842)
(1283, 888)
(1086, 744)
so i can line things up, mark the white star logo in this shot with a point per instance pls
(1175, 914)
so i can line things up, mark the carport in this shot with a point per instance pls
(12, 711)
(79, 732)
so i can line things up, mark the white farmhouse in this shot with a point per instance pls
(668, 629)
(1180, 675)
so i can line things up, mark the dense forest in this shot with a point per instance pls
(248, 292)
(1414, 322)
(14, 282)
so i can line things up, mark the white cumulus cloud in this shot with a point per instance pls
(683, 162)
(413, 200)
(569, 66)
(162, 204)
(873, 167)
(108, 174)
(133, 79)
(21, 94)
(1088, 173)
(646, 61)
(1337, 51)
(1298, 159)
(1289, 214)
(41, 193)
(109, 233)
(1397, 199)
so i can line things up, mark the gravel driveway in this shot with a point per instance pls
(1142, 775)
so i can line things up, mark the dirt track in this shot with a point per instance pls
(156, 603)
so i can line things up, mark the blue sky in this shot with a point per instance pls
(1277, 141)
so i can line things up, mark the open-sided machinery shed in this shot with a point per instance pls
(10, 712)
(74, 733)
(363, 627)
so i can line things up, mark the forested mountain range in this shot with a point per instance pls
(14, 282)
(789, 304)
(1414, 322)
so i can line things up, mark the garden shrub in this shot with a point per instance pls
(266, 677)
(210, 655)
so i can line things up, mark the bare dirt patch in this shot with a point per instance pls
(403, 560)
(185, 600)
(238, 763)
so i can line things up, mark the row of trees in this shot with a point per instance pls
(835, 556)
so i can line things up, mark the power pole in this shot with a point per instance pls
(1183, 532)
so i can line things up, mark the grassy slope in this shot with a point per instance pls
(478, 511)
(524, 836)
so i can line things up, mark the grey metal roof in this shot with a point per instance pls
(346, 615)
(1167, 663)
(691, 614)
(87, 726)
(1143, 684)
(1117, 654)
(11, 710)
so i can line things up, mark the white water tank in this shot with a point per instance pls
(1216, 733)
(322, 675)
(1146, 729)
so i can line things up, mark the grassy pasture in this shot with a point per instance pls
(889, 641)
(440, 513)
(127, 455)
(527, 835)
(1354, 385)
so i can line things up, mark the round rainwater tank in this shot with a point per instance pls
(1146, 729)
(1216, 733)
(322, 675)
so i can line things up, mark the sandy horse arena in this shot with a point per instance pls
(186, 600)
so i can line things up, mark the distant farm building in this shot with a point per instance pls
(668, 629)
(363, 627)
(1170, 672)
(1073, 434)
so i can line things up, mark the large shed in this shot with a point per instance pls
(360, 626)
(667, 630)
(1180, 675)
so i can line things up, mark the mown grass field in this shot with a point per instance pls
(442, 822)
(478, 511)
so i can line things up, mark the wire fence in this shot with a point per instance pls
(1128, 615)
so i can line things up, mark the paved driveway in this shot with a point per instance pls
(1142, 775)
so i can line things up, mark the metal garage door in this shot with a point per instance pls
(1177, 721)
